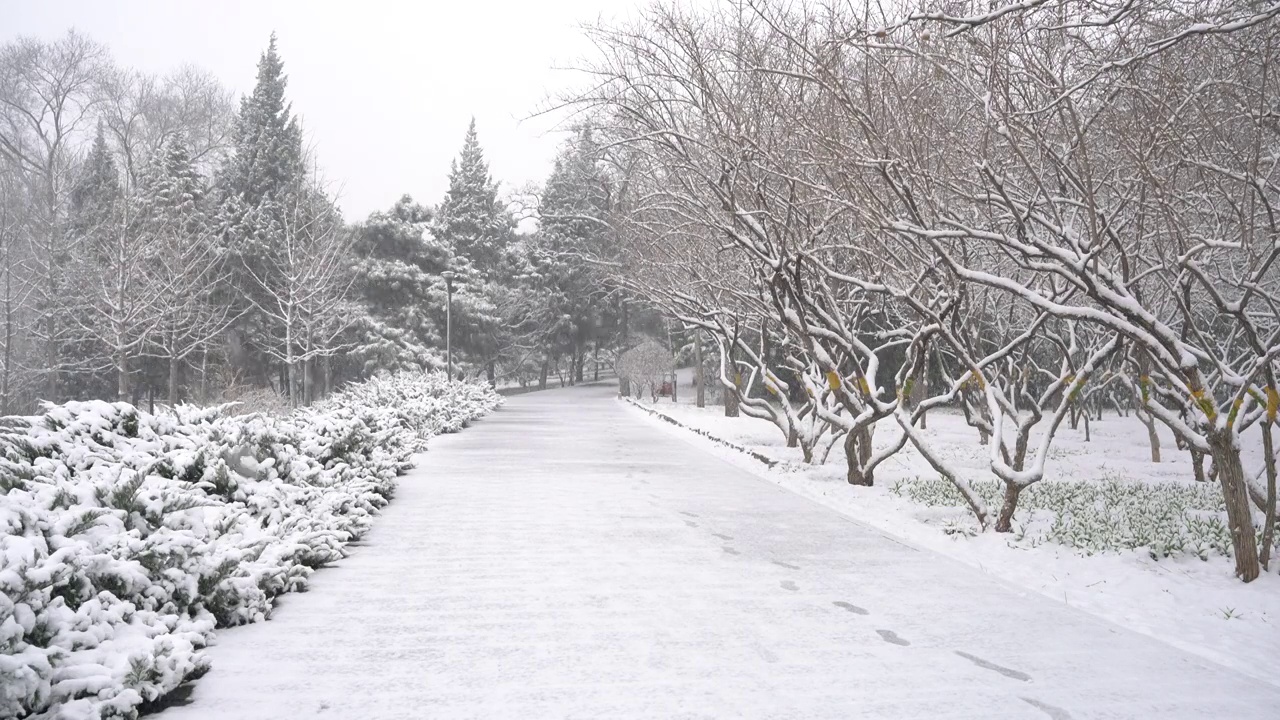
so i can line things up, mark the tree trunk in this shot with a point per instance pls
(857, 451)
(122, 375)
(52, 361)
(5, 248)
(1153, 437)
(173, 381)
(1197, 465)
(596, 362)
(698, 373)
(731, 398)
(328, 375)
(204, 374)
(1269, 528)
(290, 370)
(308, 381)
(1004, 523)
(1226, 458)
(8, 349)
(490, 373)
(542, 374)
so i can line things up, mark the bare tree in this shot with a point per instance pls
(302, 289)
(47, 94)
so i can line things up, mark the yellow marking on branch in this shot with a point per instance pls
(1206, 404)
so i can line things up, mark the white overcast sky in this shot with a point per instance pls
(385, 89)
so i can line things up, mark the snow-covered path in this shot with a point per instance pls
(563, 558)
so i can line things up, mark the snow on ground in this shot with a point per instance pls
(1193, 604)
(562, 558)
(127, 536)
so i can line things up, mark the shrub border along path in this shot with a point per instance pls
(126, 538)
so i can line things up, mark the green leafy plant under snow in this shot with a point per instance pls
(1108, 515)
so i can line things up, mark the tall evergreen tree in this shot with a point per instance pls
(478, 231)
(259, 181)
(398, 275)
(470, 219)
(267, 147)
(97, 190)
(173, 192)
(572, 225)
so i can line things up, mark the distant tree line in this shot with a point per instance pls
(160, 242)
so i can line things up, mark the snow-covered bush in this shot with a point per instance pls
(646, 365)
(1108, 515)
(126, 538)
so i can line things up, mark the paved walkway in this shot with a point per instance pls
(564, 558)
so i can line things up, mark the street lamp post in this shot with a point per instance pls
(448, 320)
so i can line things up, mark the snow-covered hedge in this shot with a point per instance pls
(127, 538)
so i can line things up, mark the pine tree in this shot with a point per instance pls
(173, 193)
(267, 158)
(470, 220)
(398, 275)
(260, 180)
(478, 231)
(572, 225)
(97, 191)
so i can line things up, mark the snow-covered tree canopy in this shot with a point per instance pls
(1004, 211)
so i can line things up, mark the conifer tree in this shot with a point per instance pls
(477, 230)
(173, 193)
(470, 220)
(398, 275)
(265, 168)
(572, 224)
(97, 191)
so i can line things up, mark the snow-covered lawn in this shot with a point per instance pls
(126, 538)
(1174, 583)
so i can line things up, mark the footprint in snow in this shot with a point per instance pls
(890, 636)
(788, 566)
(1056, 713)
(690, 523)
(851, 607)
(730, 550)
(788, 585)
(688, 514)
(987, 664)
(722, 536)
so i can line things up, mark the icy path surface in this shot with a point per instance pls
(563, 559)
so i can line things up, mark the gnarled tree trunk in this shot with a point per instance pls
(1226, 459)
